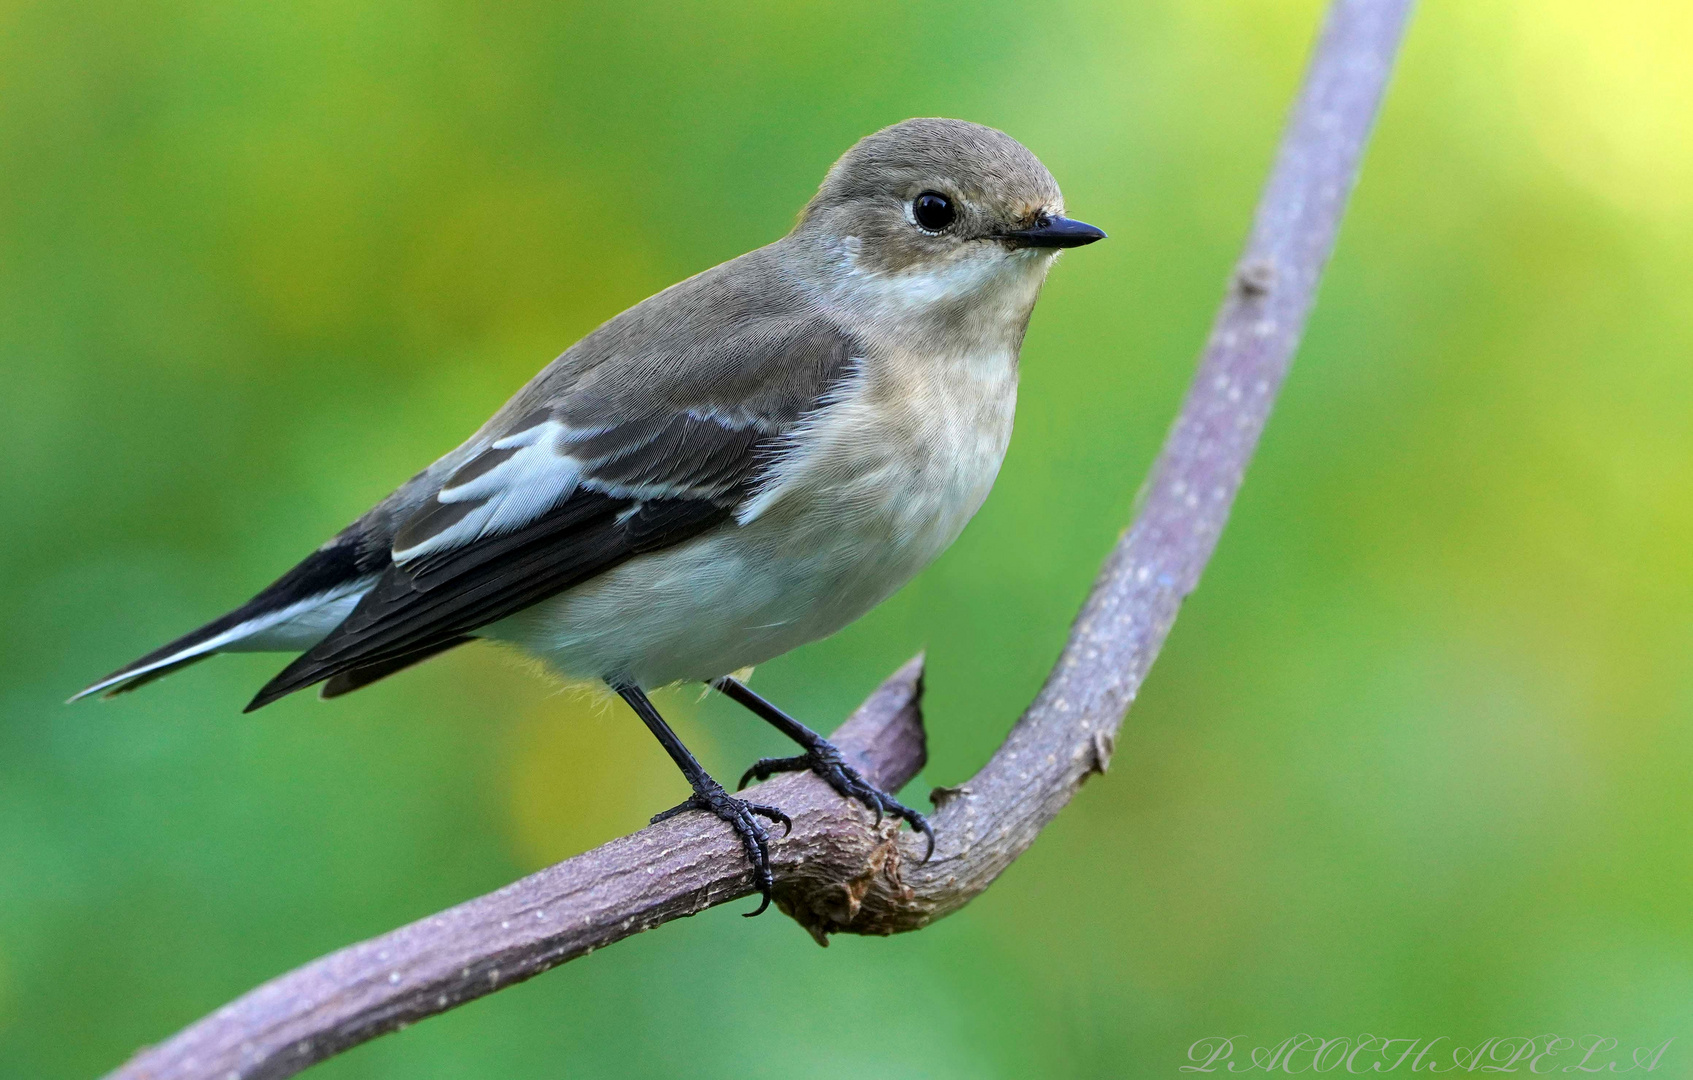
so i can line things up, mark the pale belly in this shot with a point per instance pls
(884, 491)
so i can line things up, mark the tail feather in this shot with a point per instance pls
(139, 674)
(361, 677)
(293, 613)
(135, 682)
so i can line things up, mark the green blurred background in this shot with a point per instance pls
(1416, 761)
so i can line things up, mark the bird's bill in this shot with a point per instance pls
(1055, 232)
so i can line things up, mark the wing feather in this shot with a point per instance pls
(644, 435)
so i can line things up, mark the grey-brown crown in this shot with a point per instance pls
(997, 183)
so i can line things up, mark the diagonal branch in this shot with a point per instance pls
(839, 871)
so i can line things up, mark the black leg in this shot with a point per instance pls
(709, 795)
(821, 757)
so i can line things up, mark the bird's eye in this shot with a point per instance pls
(933, 211)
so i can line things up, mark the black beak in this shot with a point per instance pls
(1053, 232)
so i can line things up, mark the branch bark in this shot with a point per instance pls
(839, 871)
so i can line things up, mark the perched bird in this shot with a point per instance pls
(744, 463)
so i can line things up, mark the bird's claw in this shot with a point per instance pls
(765, 768)
(826, 761)
(742, 816)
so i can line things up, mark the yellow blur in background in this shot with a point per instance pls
(1416, 761)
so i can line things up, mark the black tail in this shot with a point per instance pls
(359, 678)
(333, 570)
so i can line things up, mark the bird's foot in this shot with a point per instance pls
(825, 760)
(742, 816)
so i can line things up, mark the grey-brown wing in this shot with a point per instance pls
(606, 470)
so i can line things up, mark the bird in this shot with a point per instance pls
(741, 464)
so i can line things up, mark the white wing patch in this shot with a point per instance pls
(515, 480)
(532, 480)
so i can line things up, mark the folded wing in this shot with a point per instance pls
(640, 438)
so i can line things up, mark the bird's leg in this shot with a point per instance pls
(709, 795)
(821, 757)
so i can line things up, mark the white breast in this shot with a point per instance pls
(903, 457)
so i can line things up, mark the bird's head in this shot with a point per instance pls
(934, 209)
